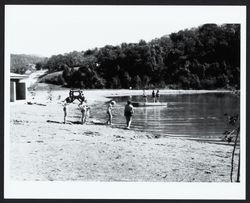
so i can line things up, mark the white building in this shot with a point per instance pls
(18, 90)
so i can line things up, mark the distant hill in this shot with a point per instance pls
(22, 63)
(207, 57)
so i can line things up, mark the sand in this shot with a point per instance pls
(42, 148)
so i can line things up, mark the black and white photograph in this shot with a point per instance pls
(125, 102)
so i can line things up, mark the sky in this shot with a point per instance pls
(50, 30)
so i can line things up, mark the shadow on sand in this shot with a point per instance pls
(98, 123)
(68, 122)
(90, 122)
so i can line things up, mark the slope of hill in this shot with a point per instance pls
(207, 57)
(55, 78)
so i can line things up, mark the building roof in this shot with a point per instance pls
(17, 76)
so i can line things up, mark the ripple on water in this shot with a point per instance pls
(193, 116)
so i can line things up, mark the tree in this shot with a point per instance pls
(233, 135)
(137, 82)
(20, 63)
(126, 80)
(66, 73)
(39, 66)
(145, 81)
(116, 82)
(206, 57)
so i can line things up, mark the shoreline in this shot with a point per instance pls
(52, 151)
(102, 95)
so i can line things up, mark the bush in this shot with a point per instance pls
(208, 83)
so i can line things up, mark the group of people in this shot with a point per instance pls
(155, 96)
(128, 110)
(85, 110)
(128, 113)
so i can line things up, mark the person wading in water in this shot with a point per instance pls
(157, 96)
(153, 95)
(128, 113)
(144, 96)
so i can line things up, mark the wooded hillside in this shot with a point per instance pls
(207, 57)
(20, 63)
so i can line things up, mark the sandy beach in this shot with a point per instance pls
(42, 148)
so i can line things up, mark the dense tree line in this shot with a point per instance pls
(20, 63)
(207, 57)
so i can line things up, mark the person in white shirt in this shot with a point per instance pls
(109, 112)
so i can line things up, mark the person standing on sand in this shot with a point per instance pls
(66, 102)
(109, 112)
(153, 95)
(128, 113)
(84, 110)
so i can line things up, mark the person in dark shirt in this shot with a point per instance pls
(157, 96)
(153, 95)
(128, 113)
(144, 95)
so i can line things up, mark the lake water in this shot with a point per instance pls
(191, 116)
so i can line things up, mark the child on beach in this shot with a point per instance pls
(128, 113)
(84, 110)
(109, 112)
(66, 102)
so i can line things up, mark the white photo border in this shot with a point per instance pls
(133, 190)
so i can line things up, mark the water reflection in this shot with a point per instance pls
(196, 116)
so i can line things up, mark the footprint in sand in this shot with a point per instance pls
(39, 141)
(89, 133)
(149, 136)
(160, 144)
(207, 172)
(118, 136)
(19, 122)
(74, 140)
